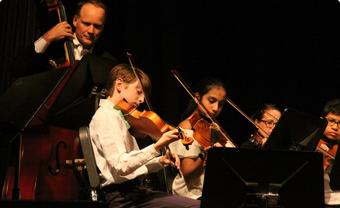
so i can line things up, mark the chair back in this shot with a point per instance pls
(91, 168)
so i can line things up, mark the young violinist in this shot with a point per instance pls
(117, 154)
(265, 119)
(329, 143)
(45, 53)
(211, 93)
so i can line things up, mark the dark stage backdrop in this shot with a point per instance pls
(279, 51)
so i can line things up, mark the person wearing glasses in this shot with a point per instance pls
(330, 143)
(265, 117)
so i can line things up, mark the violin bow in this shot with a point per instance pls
(131, 62)
(246, 116)
(204, 110)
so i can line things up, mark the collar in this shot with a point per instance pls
(106, 102)
(330, 143)
(77, 43)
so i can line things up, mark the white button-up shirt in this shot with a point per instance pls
(117, 154)
(41, 45)
(191, 188)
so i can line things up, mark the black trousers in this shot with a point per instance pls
(131, 195)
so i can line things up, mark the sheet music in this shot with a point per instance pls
(331, 197)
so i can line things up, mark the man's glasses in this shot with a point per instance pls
(269, 123)
(333, 122)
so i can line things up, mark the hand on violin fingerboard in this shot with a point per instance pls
(167, 138)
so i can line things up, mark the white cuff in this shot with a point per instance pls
(40, 45)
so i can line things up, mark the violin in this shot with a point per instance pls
(149, 123)
(258, 140)
(329, 153)
(205, 132)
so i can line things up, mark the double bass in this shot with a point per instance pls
(46, 160)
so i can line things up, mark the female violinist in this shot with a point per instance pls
(117, 154)
(329, 146)
(211, 93)
(265, 119)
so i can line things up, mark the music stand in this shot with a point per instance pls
(296, 130)
(76, 104)
(26, 96)
(253, 178)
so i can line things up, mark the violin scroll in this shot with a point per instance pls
(329, 153)
(186, 141)
(206, 133)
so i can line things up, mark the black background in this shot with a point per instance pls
(277, 51)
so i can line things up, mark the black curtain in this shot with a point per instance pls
(19, 27)
(285, 52)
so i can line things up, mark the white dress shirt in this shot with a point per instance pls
(41, 45)
(117, 154)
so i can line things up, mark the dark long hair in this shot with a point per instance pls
(202, 87)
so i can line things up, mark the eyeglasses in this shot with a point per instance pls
(333, 122)
(269, 123)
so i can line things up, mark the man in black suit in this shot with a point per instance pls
(88, 22)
